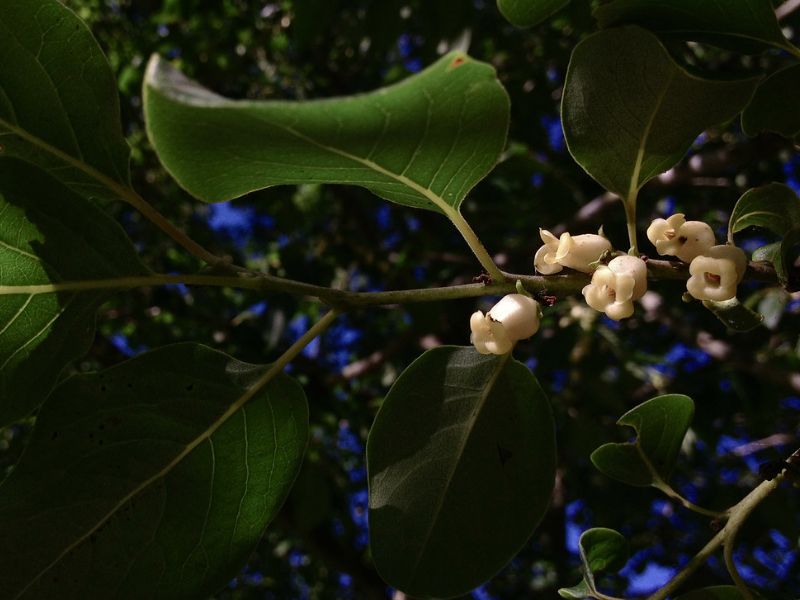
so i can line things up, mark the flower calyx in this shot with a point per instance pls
(516, 317)
(614, 287)
(715, 274)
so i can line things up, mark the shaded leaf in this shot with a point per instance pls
(48, 234)
(576, 592)
(424, 142)
(775, 207)
(660, 424)
(717, 592)
(744, 25)
(142, 481)
(602, 551)
(734, 314)
(631, 112)
(526, 13)
(774, 105)
(461, 463)
(59, 107)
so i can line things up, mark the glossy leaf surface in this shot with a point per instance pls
(461, 463)
(48, 234)
(527, 13)
(630, 112)
(142, 482)
(59, 106)
(660, 425)
(424, 142)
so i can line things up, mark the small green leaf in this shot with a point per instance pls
(631, 112)
(461, 463)
(775, 207)
(717, 592)
(424, 142)
(144, 481)
(527, 13)
(744, 25)
(774, 105)
(602, 551)
(49, 234)
(576, 592)
(59, 106)
(734, 314)
(660, 424)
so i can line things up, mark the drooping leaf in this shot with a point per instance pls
(660, 424)
(631, 112)
(143, 481)
(59, 107)
(461, 463)
(424, 142)
(49, 234)
(527, 13)
(734, 314)
(717, 592)
(774, 105)
(743, 25)
(602, 551)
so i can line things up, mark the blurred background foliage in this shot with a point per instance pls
(746, 386)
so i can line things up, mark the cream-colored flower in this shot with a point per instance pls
(514, 318)
(576, 252)
(716, 273)
(676, 236)
(614, 288)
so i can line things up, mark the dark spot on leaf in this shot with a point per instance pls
(457, 62)
(100, 442)
(101, 427)
(504, 454)
(54, 435)
(190, 387)
(91, 436)
(102, 388)
(93, 538)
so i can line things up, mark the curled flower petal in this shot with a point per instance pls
(716, 273)
(614, 287)
(515, 317)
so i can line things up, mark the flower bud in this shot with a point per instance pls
(716, 273)
(676, 236)
(514, 318)
(576, 252)
(614, 288)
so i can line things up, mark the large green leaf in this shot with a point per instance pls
(602, 551)
(144, 481)
(774, 105)
(744, 25)
(526, 13)
(775, 207)
(49, 234)
(631, 112)
(461, 463)
(59, 107)
(424, 142)
(660, 424)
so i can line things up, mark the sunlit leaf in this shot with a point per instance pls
(144, 481)
(526, 13)
(49, 234)
(630, 112)
(59, 107)
(461, 463)
(424, 142)
(660, 425)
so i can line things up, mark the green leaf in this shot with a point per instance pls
(144, 481)
(717, 592)
(49, 234)
(744, 25)
(774, 105)
(59, 107)
(734, 314)
(602, 551)
(775, 207)
(424, 142)
(660, 424)
(527, 13)
(461, 463)
(631, 112)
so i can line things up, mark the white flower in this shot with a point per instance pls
(676, 236)
(576, 252)
(514, 318)
(614, 288)
(716, 273)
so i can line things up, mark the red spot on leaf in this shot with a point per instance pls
(457, 62)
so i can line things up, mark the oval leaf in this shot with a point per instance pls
(775, 207)
(59, 107)
(734, 314)
(424, 142)
(48, 235)
(461, 463)
(631, 112)
(527, 13)
(774, 105)
(140, 481)
(744, 25)
(660, 424)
